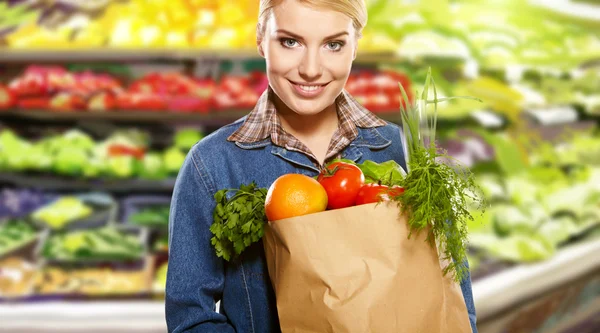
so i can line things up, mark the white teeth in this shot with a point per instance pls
(309, 88)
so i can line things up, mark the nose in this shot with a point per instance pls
(310, 67)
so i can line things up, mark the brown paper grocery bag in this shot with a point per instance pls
(354, 270)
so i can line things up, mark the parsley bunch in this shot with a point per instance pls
(436, 195)
(239, 221)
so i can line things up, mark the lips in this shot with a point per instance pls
(308, 90)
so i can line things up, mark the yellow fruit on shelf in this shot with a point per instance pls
(93, 35)
(178, 39)
(230, 14)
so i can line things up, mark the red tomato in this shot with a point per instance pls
(372, 193)
(341, 181)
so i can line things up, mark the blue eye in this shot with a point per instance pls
(288, 42)
(335, 46)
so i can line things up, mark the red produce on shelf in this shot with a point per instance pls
(204, 89)
(142, 102)
(33, 103)
(188, 104)
(259, 82)
(103, 101)
(66, 101)
(7, 98)
(223, 100)
(90, 83)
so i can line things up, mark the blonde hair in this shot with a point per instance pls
(355, 9)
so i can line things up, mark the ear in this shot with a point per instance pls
(355, 52)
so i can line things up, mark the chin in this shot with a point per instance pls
(309, 108)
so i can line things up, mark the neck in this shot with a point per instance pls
(314, 131)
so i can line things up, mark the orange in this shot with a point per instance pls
(294, 195)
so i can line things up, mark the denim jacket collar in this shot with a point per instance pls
(369, 138)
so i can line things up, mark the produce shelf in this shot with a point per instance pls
(506, 289)
(492, 294)
(216, 118)
(212, 118)
(109, 316)
(58, 183)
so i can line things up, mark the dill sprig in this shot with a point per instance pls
(436, 195)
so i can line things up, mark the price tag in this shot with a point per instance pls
(488, 119)
(554, 115)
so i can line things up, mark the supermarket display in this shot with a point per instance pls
(101, 100)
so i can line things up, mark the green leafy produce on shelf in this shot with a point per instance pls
(100, 244)
(151, 216)
(94, 168)
(515, 248)
(71, 161)
(121, 166)
(173, 159)
(12, 149)
(78, 139)
(38, 158)
(62, 212)
(152, 166)
(187, 138)
(14, 234)
(558, 229)
(510, 219)
(574, 199)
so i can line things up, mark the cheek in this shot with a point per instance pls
(340, 66)
(278, 60)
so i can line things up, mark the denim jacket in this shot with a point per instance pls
(196, 277)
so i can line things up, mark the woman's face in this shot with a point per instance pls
(309, 54)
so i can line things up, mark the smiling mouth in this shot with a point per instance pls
(309, 87)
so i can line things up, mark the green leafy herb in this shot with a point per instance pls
(388, 173)
(239, 221)
(436, 195)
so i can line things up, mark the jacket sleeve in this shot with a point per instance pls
(195, 275)
(467, 292)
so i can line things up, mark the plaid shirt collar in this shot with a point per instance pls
(262, 122)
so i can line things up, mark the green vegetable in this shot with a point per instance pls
(152, 167)
(61, 212)
(436, 196)
(14, 234)
(173, 159)
(71, 161)
(101, 244)
(153, 216)
(185, 139)
(387, 173)
(516, 248)
(121, 166)
(239, 221)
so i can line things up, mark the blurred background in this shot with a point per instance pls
(101, 99)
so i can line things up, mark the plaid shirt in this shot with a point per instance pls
(263, 122)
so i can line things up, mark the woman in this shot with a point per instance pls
(302, 121)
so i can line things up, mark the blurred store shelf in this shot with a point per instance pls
(118, 317)
(510, 287)
(211, 118)
(57, 183)
(493, 294)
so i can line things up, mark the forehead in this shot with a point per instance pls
(307, 21)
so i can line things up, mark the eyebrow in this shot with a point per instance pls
(339, 34)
